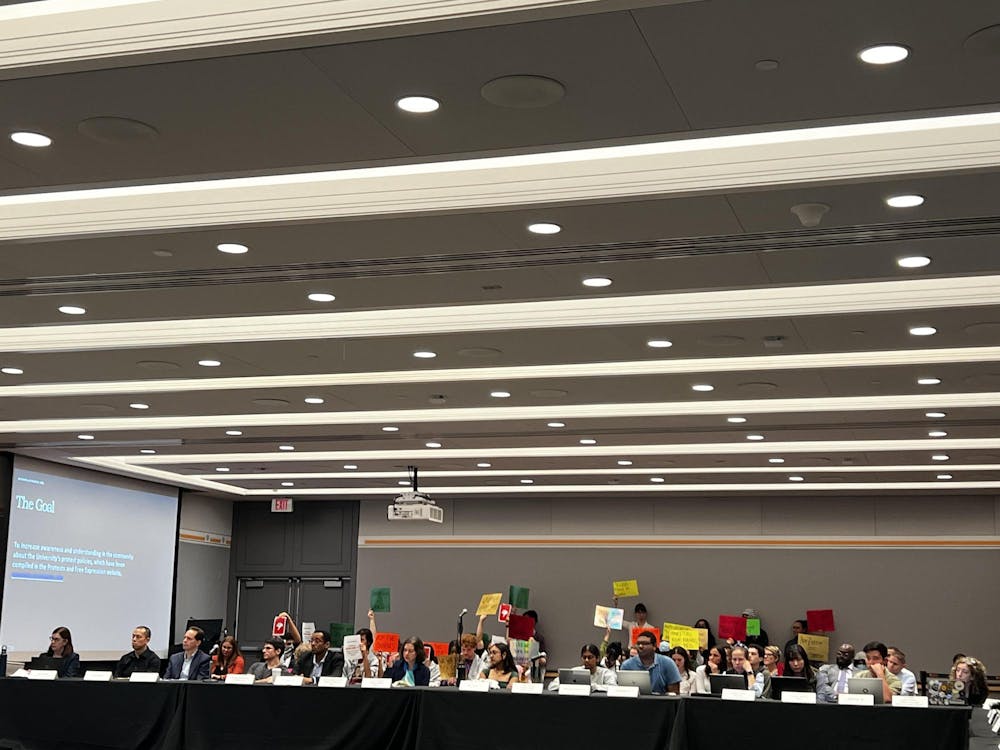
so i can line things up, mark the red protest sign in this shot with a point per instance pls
(440, 647)
(504, 614)
(820, 620)
(520, 627)
(732, 626)
(278, 630)
(386, 643)
(636, 632)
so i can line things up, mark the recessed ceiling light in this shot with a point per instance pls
(209, 362)
(776, 460)
(147, 451)
(935, 414)
(937, 433)
(884, 54)
(425, 354)
(403, 483)
(913, 261)
(659, 344)
(85, 437)
(234, 433)
(527, 481)
(72, 310)
(232, 248)
(624, 462)
(928, 381)
(483, 465)
(222, 468)
(736, 420)
(288, 484)
(796, 479)
(944, 476)
(755, 437)
(390, 429)
(544, 227)
(905, 201)
(33, 140)
(588, 441)
(350, 467)
(597, 281)
(940, 457)
(500, 394)
(313, 400)
(137, 405)
(286, 447)
(656, 479)
(433, 444)
(321, 297)
(702, 387)
(923, 331)
(556, 424)
(418, 104)
(12, 371)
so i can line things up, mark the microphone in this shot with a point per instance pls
(463, 612)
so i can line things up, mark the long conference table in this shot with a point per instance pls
(77, 715)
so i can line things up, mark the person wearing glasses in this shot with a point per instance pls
(502, 668)
(61, 647)
(141, 658)
(663, 674)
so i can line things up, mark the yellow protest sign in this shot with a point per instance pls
(626, 588)
(817, 646)
(681, 635)
(702, 639)
(489, 604)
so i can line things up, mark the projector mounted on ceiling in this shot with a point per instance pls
(414, 506)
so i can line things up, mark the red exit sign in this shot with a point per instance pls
(281, 505)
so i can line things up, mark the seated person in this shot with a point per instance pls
(772, 660)
(262, 671)
(191, 663)
(292, 639)
(229, 660)
(432, 664)
(354, 670)
(682, 659)
(663, 674)
(590, 656)
(320, 661)
(896, 663)
(61, 647)
(409, 668)
(972, 672)
(797, 665)
(739, 664)
(470, 663)
(140, 659)
(501, 666)
(715, 663)
(875, 655)
(831, 679)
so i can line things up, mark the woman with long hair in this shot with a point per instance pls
(61, 647)
(797, 665)
(229, 660)
(501, 666)
(715, 663)
(972, 672)
(682, 659)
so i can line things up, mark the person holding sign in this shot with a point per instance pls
(715, 663)
(590, 657)
(320, 661)
(368, 664)
(663, 674)
(284, 628)
(409, 668)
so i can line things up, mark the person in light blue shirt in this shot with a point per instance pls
(663, 674)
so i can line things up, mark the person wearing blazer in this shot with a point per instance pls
(192, 663)
(320, 661)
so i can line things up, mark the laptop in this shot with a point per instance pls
(866, 686)
(722, 681)
(639, 678)
(574, 676)
(781, 685)
(945, 692)
(45, 662)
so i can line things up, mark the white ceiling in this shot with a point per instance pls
(803, 331)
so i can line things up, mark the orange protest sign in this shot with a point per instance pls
(386, 643)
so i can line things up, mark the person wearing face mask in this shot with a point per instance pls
(409, 668)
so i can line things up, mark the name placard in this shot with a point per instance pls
(856, 699)
(574, 690)
(474, 686)
(623, 691)
(792, 696)
(239, 679)
(377, 683)
(735, 694)
(330, 681)
(42, 674)
(910, 701)
(288, 680)
(96, 675)
(529, 688)
(143, 677)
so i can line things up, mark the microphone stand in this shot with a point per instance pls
(459, 664)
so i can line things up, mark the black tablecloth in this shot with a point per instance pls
(75, 715)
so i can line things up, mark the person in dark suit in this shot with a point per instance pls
(409, 668)
(320, 661)
(192, 663)
(61, 647)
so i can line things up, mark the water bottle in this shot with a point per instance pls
(3, 661)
